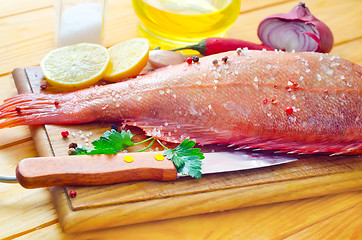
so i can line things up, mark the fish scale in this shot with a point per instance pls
(241, 102)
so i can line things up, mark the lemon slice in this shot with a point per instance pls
(75, 67)
(127, 59)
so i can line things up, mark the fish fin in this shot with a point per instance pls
(287, 145)
(176, 133)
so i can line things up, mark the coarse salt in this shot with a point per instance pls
(81, 23)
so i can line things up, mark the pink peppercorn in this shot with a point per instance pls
(72, 193)
(189, 60)
(65, 134)
(289, 110)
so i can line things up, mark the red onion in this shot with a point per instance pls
(297, 30)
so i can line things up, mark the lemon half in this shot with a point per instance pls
(76, 66)
(127, 59)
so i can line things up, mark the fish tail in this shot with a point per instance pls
(28, 109)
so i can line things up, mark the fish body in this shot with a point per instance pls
(292, 102)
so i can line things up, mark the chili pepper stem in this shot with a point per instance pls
(200, 47)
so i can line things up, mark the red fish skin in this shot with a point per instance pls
(242, 102)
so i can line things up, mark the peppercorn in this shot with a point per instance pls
(238, 51)
(215, 61)
(225, 59)
(70, 151)
(189, 60)
(195, 59)
(43, 85)
(56, 103)
(18, 110)
(65, 134)
(114, 127)
(72, 193)
(289, 110)
(73, 145)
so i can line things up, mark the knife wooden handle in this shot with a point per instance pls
(94, 169)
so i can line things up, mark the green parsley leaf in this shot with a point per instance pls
(110, 143)
(186, 158)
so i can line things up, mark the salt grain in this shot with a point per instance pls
(334, 64)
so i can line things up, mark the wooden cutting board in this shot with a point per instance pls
(99, 207)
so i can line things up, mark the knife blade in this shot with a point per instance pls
(124, 167)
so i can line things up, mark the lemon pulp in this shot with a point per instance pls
(76, 66)
(127, 59)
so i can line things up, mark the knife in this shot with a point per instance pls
(124, 167)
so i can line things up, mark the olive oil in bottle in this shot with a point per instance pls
(174, 23)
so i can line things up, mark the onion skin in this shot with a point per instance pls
(301, 14)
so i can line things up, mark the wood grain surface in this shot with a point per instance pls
(26, 32)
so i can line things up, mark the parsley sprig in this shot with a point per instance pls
(186, 158)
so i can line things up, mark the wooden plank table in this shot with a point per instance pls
(26, 35)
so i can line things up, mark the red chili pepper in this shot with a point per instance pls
(211, 46)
